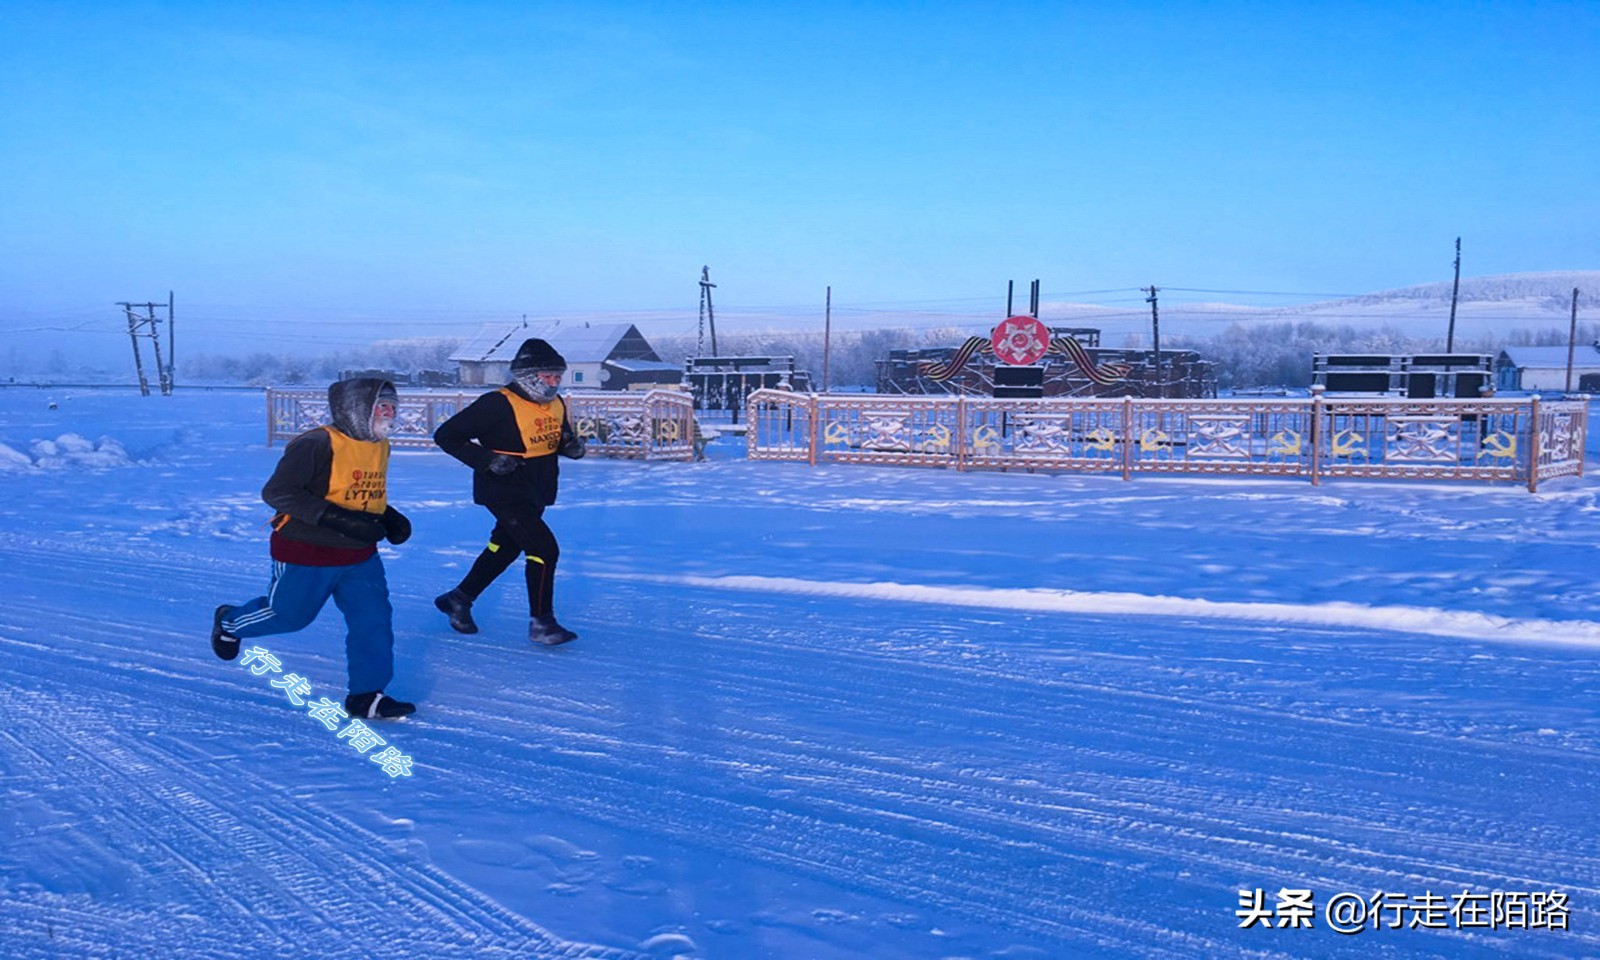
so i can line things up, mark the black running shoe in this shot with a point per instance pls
(224, 644)
(377, 706)
(458, 606)
(546, 631)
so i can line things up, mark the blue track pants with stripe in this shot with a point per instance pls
(298, 593)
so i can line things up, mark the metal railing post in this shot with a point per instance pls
(961, 432)
(1533, 444)
(814, 413)
(1127, 438)
(1316, 436)
(1580, 436)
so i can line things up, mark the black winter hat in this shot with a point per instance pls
(535, 355)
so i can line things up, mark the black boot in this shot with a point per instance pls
(224, 644)
(376, 706)
(545, 630)
(459, 608)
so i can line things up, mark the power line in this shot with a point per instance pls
(1266, 293)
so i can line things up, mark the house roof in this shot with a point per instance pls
(1552, 358)
(576, 341)
(637, 366)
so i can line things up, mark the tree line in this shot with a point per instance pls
(1279, 354)
(1244, 355)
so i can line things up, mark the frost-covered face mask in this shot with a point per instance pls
(382, 419)
(540, 386)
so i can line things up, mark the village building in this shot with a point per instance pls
(1545, 368)
(600, 356)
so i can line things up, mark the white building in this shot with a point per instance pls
(485, 360)
(1545, 368)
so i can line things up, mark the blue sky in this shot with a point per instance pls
(446, 164)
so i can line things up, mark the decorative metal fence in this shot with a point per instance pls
(658, 425)
(1521, 440)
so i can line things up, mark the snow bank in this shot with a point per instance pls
(1428, 621)
(67, 450)
(11, 461)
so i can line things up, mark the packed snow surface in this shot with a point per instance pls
(815, 713)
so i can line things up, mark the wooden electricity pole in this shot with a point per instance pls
(1572, 338)
(136, 325)
(827, 337)
(1155, 334)
(172, 348)
(707, 312)
(133, 337)
(1455, 291)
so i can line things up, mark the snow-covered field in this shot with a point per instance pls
(824, 713)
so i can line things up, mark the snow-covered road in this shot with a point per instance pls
(810, 716)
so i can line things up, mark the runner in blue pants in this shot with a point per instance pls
(331, 492)
(298, 593)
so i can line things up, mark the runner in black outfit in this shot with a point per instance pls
(511, 438)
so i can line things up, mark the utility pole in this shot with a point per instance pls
(827, 337)
(136, 325)
(1455, 291)
(133, 337)
(1572, 338)
(1155, 334)
(1010, 284)
(1033, 300)
(172, 349)
(707, 313)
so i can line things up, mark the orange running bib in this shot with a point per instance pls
(359, 477)
(538, 424)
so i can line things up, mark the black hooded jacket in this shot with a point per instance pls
(298, 488)
(487, 425)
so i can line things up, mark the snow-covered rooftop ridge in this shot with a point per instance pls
(1583, 355)
(578, 341)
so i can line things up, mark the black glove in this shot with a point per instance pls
(574, 447)
(355, 524)
(503, 464)
(396, 526)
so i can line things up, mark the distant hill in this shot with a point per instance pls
(1488, 307)
(1549, 290)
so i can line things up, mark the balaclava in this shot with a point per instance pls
(384, 410)
(534, 357)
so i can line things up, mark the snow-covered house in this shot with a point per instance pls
(591, 351)
(1545, 368)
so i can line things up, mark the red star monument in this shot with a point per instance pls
(1020, 340)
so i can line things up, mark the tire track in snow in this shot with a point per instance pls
(1245, 719)
(1252, 853)
(831, 775)
(975, 827)
(262, 862)
(807, 858)
(268, 862)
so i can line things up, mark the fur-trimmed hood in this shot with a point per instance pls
(350, 404)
